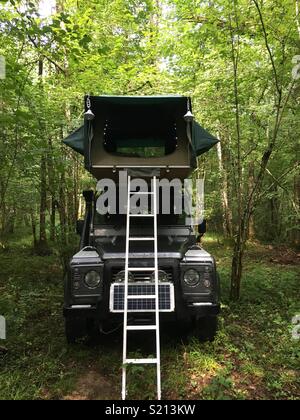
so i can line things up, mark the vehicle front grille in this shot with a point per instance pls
(143, 276)
(166, 297)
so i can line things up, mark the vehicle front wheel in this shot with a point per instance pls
(205, 329)
(75, 328)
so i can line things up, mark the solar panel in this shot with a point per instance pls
(166, 297)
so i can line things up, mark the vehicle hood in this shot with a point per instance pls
(168, 247)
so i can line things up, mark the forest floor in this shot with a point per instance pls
(253, 357)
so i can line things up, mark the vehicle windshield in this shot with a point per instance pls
(120, 220)
(167, 214)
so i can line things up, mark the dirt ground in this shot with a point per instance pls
(93, 386)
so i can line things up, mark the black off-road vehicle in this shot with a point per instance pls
(143, 137)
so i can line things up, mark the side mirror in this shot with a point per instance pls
(79, 227)
(88, 196)
(202, 228)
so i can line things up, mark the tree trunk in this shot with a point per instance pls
(3, 214)
(12, 220)
(52, 188)
(62, 210)
(76, 192)
(33, 226)
(3, 220)
(236, 270)
(296, 232)
(43, 203)
(251, 233)
(227, 215)
(238, 254)
(251, 229)
(42, 246)
(80, 208)
(70, 211)
(52, 219)
(298, 16)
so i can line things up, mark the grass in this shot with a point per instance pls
(253, 356)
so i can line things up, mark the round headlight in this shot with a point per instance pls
(192, 278)
(162, 276)
(92, 279)
(120, 277)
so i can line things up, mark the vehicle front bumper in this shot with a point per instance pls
(195, 310)
(204, 309)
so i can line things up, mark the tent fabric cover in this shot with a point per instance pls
(202, 140)
(76, 140)
(164, 100)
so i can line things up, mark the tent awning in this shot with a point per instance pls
(202, 140)
(76, 140)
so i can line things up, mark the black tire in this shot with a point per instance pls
(206, 328)
(75, 328)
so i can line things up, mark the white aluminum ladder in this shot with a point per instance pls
(127, 297)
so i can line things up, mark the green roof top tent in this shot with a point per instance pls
(141, 134)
